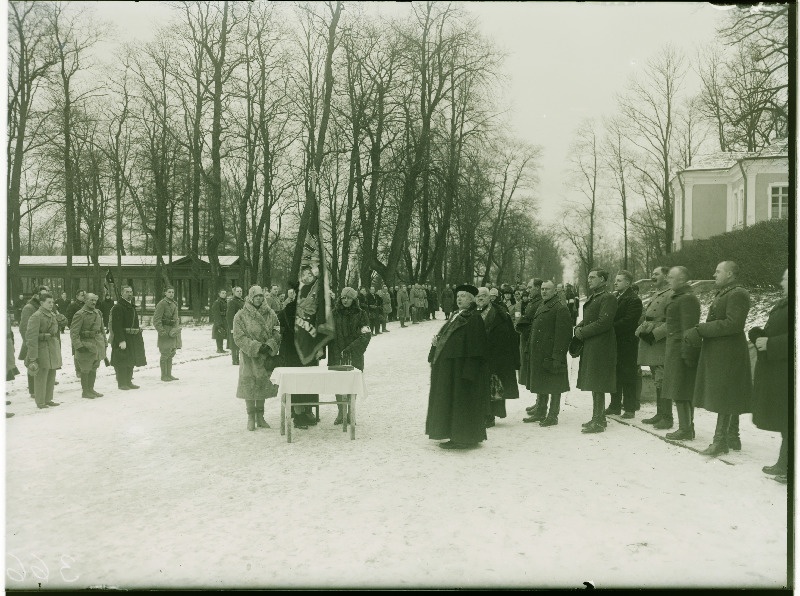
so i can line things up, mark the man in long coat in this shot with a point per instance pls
(597, 371)
(403, 305)
(419, 303)
(724, 384)
(386, 307)
(680, 359)
(771, 379)
(43, 354)
(352, 335)
(88, 337)
(257, 333)
(550, 334)
(448, 301)
(538, 411)
(127, 346)
(30, 307)
(502, 356)
(235, 305)
(652, 334)
(219, 321)
(626, 319)
(167, 321)
(457, 402)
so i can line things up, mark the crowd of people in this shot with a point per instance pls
(489, 346)
(495, 339)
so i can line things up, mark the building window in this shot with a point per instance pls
(778, 202)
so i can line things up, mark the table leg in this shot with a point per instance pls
(352, 416)
(288, 418)
(345, 411)
(283, 414)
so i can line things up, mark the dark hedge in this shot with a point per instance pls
(761, 250)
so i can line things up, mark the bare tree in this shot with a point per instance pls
(649, 110)
(619, 163)
(31, 57)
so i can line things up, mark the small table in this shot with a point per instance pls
(319, 380)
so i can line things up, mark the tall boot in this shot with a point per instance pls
(719, 445)
(598, 423)
(164, 374)
(659, 410)
(685, 430)
(732, 435)
(539, 410)
(781, 467)
(664, 411)
(555, 408)
(92, 379)
(615, 405)
(169, 371)
(129, 371)
(251, 413)
(85, 391)
(260, 422)
(122, 381)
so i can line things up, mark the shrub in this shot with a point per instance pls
(761, 250)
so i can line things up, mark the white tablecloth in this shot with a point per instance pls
(318, 379)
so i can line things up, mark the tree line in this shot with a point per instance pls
(239, 125)
(621, 214)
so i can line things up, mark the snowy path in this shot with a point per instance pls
(164, 487)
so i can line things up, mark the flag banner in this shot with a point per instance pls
(313, 324)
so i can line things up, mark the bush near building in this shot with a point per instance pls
(761, 250)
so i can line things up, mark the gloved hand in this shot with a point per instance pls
(174, 331)
(122, 345)
(264, 349)
(754, 334)
(33, 367)
(693, 338)
(648, 338)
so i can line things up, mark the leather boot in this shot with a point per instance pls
(163, 364)
(685, 430)
(260, 422)
(782, 465)
(664, 407)
(555, 408)
(719, 445)
(732, 435)
(85, 391)
(169, 371)
(598, 423)
(659, 413)
(251, 414)
(92, 379)
(539, 410)
(614, 406)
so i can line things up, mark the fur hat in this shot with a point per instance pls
(349, 292)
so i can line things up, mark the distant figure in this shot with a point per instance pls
(75, 306)
(167, 322)
(235, 305)
(219, 331)
(403, 305)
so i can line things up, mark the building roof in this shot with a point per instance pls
(724, 160)
(111, 260)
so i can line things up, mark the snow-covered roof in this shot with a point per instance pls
(724, 160)
(111, 260)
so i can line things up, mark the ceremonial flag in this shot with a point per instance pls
(313, 324)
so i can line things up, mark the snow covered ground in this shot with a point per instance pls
(164, 487)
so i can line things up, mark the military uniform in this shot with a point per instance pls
(88, 346)
(167, 321)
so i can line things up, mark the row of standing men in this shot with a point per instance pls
(693, 363)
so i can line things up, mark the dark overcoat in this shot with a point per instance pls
(551, 332)
(125, 327)
(502, 351)
(680, 359)
(234, 306)
(288, 355)
(654, 321)
(30, 307)
(73, 307)
(459, 396)
(629, 311)
(88, 338)
(448, 300)
(771, 380)
(523, 327)
(724, 384)
(219, 320)
(597, 371)
(352, 335)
